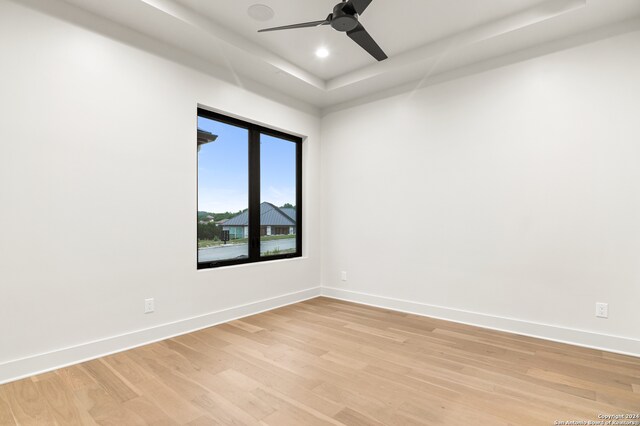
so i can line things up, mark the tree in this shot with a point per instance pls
(208, 231)
(288, 206)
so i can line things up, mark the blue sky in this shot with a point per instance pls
(223, 169)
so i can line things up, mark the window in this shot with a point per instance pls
(249, 192)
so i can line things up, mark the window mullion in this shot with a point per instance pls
(299, 199)
(254, 194)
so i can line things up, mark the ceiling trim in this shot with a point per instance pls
(231, 39)
(516, 21)
(531, 16)
(247, 62)
(408, 88)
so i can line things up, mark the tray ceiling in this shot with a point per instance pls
(423, 38)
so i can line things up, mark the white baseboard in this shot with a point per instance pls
(48, 361)
(588, 339)
(40, 363)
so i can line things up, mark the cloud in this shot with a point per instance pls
(279, 196)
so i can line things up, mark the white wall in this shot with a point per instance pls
(509, 199)
(98, 194)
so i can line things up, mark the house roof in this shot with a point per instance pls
(270, 215)
(291, 212)
(205, 137)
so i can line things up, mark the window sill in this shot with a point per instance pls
(253, 264)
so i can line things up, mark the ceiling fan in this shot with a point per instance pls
(344, 18)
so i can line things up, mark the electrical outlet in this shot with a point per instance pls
(149, 305)
(602, 310)
(343, 275)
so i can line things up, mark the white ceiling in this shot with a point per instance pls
(423, 38)
(389, 23)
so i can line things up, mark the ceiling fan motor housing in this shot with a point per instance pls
(343, 20)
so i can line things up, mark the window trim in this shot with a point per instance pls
(254, 132)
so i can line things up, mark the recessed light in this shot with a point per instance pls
(260, 12)
(322, 52)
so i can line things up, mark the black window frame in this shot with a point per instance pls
(254, 132)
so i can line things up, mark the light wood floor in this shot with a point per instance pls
(330, 362)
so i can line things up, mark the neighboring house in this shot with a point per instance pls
(205, 137)
(273, 221)
(291, 212)
(207, 219)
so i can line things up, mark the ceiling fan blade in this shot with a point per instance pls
(359, 6)
(303, 25)
(362, 37)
